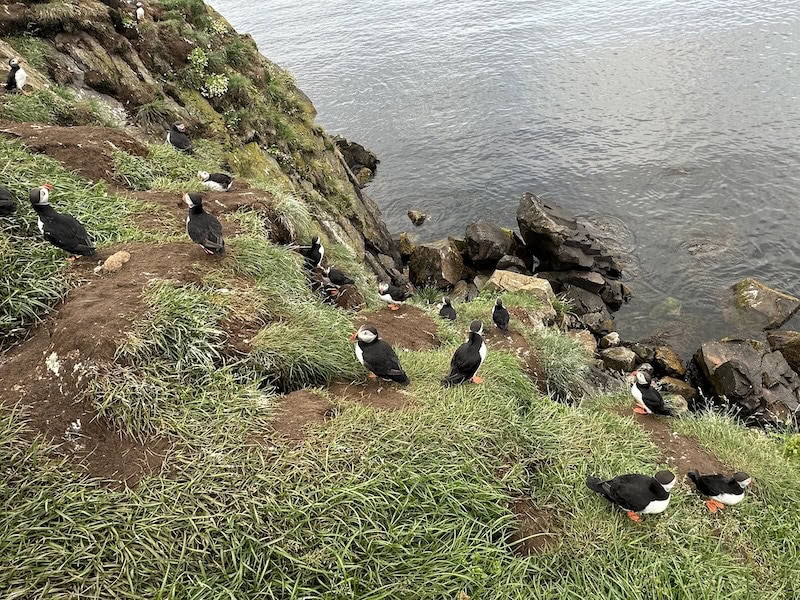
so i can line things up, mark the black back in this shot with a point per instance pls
(652, 399)
(465, 361)
(205, 229)
(448, 312)
(381, 359)
(338, 277)
(180, 141)
(221, 178)
(630, 492)
(398, 293)
(313, 255)
(11, 81)
(714, 485)
(64, 231)
(501, 317)
(8, 206)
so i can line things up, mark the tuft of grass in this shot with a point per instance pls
(167, 169)
(34, 49)
(564, 361)
(152, 113)
(61, 13)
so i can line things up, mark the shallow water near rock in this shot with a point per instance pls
(673, 125)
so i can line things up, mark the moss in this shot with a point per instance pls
(202, 112)
(33, 49)
(247, 161)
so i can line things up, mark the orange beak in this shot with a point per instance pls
(48, 186)
(353, 337)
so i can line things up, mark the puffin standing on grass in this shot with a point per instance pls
(17, 77)
(447, 311)
(648, 399)
(500, 316)
(468, 358)
(203, 228)
(179, 140)
(636, 494)
(720, 490)
(393, 295)
(216, 182)
(8, 206)
(314, 253)
(378, 356)
(62, 230)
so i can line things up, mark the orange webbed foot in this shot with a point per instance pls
(373, 376)
(394, 307)
(639, 410)
(713, 506)
(477, 379)
(633, 517)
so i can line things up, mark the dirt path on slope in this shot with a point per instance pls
(47, 376)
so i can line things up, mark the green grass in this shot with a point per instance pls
(563, 359)
(56, 106)
(34, 49)
(166, 169)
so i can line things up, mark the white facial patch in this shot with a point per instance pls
(366, 336)
(641, 378)
(670, 485)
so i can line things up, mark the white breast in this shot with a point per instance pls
(637, 395)
(729, 499)
(359, 354)
(21, 78)
(656, 507)
(41, 226)
(139, 13)
(213, 185)
(387, 298)
(321, 253)
(482, 352)
(168, 138)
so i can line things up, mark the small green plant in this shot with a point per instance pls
(198, 60)
(792, 446)
(215, 86)
(152, 113)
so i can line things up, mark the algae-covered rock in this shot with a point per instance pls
(436, 264)
(756, 304)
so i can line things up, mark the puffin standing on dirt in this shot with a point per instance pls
(216, 182)
(648, 399)
(393, 295)
(720, 490)
(378, 356)
(8, 206)
(468, 358)
(62, 230)
(17, 77)
(636, 494)
(179, 140)
(203, 228)
(500, 316)
(447, 311)
(314, 253)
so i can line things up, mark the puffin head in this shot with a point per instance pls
(41, 196)
(647, 368)
(666, 479)
(743, 479)
(476, 327)
(14, 62)
(203, 175)
(499, 303)
(446, 301)
(179, 127)
(643, 378)
(366, 334)
(315, 241)
(383, 287)
(139, 5)
(193, 199)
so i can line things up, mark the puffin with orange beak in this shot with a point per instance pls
(60, 229)
(377, 356)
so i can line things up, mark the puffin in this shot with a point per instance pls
(636, 494)
(179, 140)
(720, 490)
(468, 358)
(8, 206)
(648, 399)
(447, 311)
(378, 356)
(500, 316)
(392, 295)
(203, 228)
(216, 182)
(314, 253)
(62, 230)
(337, 277)
(139, 12)
(17, 77)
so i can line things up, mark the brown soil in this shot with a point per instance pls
(680, 452)
(408, 328)
(376, 393)
(299, 410)
(88, 150)
(48, 375)
(537, 528)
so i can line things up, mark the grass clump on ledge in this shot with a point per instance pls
(167, 169)
(55, 106)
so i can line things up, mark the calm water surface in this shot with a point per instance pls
(674, 126)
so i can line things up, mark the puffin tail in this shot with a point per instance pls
(596, 485)
(452, 379)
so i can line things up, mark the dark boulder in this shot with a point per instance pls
(436, 264)
(788, 344)
(464, 290)
(755, 304)
(487, 243)
(417, 217)
(513, 264)
(667, 362)
(356, 156)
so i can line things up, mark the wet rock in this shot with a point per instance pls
(513, 264)
(487, 243)
(436, 264)
(586, 339)
(599, 323)
(417, 217)
(583, 302)
(611, 340)
(645, 353)
(357, 157)
(506, 281)
(464, 291)
(788, 344)
(672, 385)
(364, 176)
(669, 308)
(666, 361)
(756, 303)
(618, 359)
(751, 377)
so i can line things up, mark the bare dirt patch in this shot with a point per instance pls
(298, 411)
(408, 327)
(682, 453)
(87, 150)
(537, 529)
(48, 375)
(376, 393)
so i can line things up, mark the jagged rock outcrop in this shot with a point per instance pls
(436, 264)
(751, 377)
(487, 243)
(755, 304)
(362, 162)
(788, 344)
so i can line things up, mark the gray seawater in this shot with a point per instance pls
(673, 126)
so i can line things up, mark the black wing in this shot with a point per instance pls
(206, 230)
(711, 485)
(11, 81)
(464, 364)
(380, 358)
(8, 206)
(634, 492)
(501, 317)
(652, 399)
(66, 232)
(448, 312)
(221, 178)
(398, 293)
(339, 278)
(181, 141)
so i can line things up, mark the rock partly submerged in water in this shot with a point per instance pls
(754, 304)
(417, 217)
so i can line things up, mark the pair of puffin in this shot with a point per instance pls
(17, 77)
(313, 256)
(393, 295)
(644, 495)
(648, 398)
